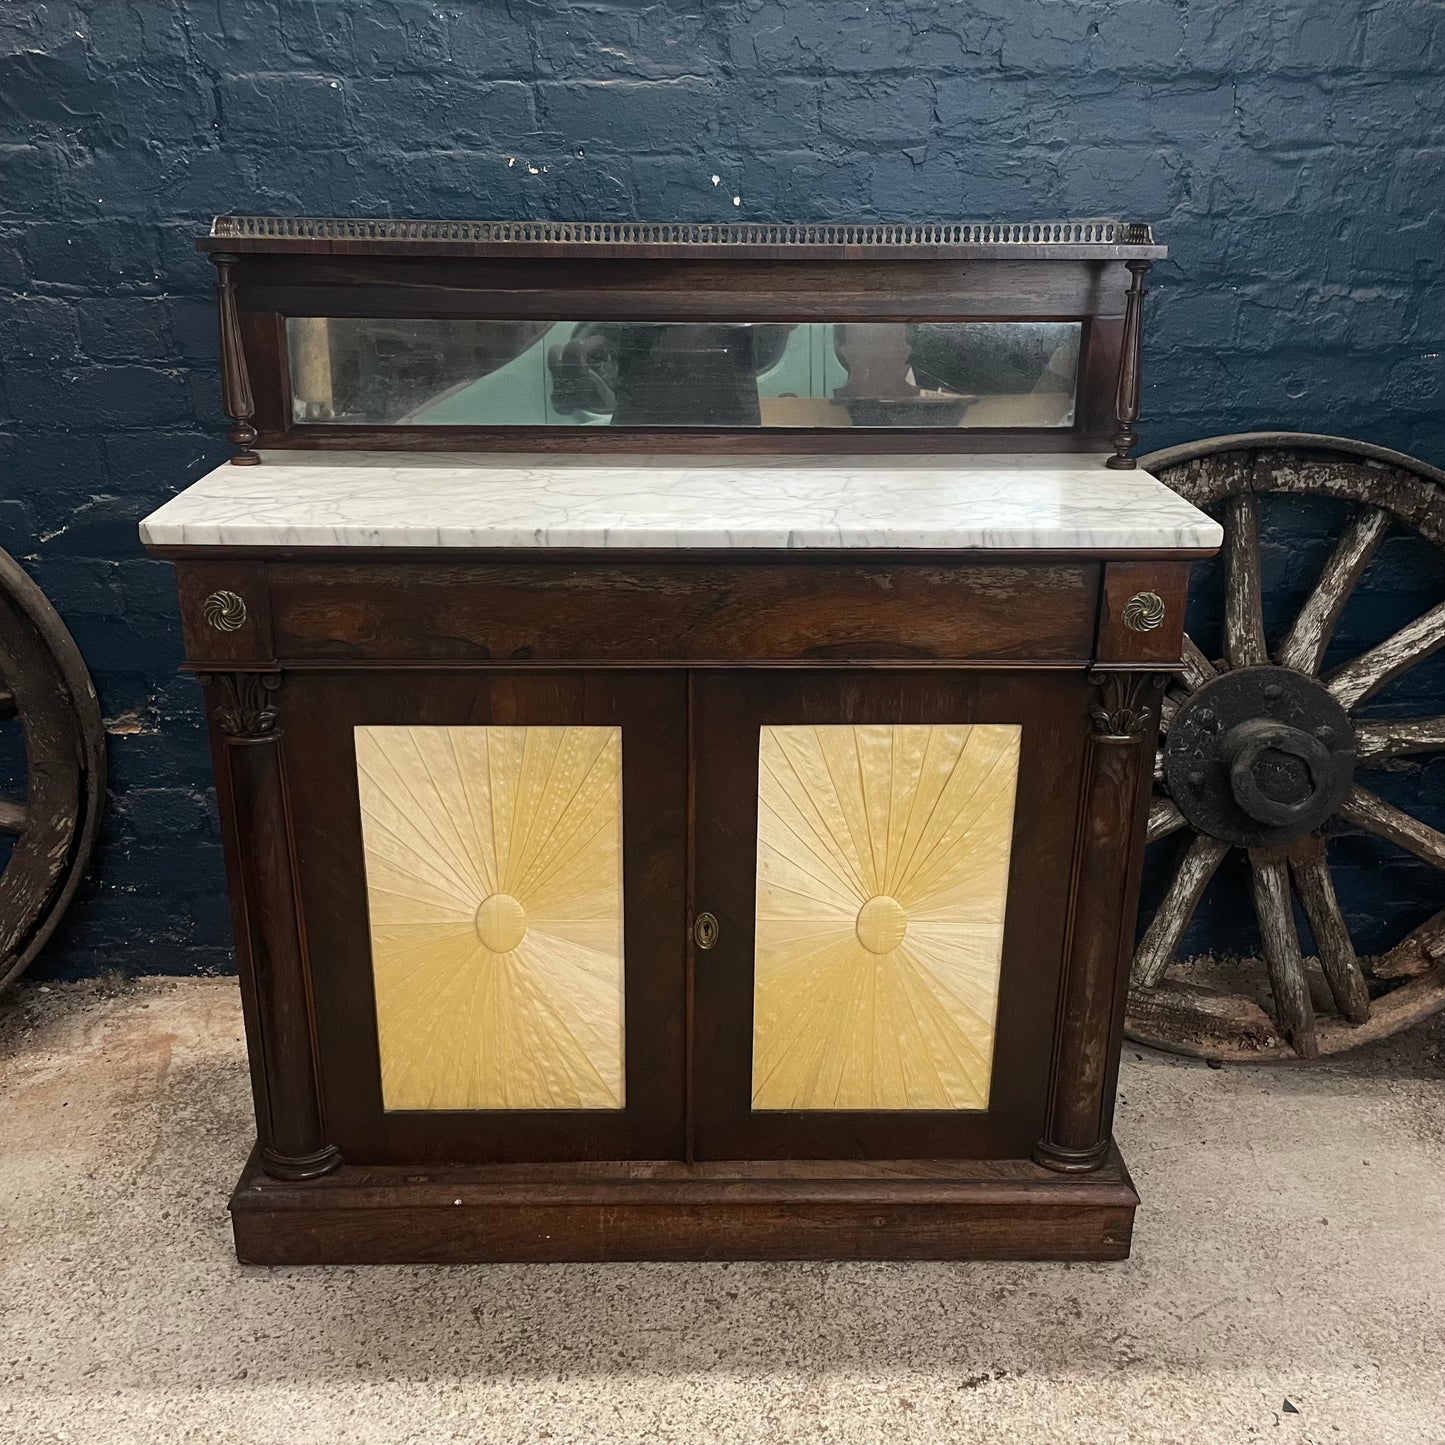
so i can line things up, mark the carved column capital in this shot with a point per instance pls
(1128, 702)
(243, 704)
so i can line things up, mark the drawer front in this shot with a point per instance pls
(683, 613)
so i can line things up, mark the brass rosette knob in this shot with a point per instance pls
(1143, 612)
(224, 611)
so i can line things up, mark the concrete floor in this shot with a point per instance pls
(1291, 1248)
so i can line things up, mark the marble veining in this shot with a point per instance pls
(378, 499)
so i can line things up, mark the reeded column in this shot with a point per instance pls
(235, 379)
(1131, 370)
(1099, 942)
(277, 993)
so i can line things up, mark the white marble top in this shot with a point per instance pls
(376, 499)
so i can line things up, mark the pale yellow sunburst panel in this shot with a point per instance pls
(494, 884)
(883, 856)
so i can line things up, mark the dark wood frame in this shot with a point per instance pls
(269, 268)
(330, 884)
(729, 708)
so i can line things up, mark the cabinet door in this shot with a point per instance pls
(887, 855)
(491, 870)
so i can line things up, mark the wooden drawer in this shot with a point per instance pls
(670, 612)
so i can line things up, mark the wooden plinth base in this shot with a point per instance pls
(903, 1209)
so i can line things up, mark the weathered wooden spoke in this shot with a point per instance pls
(1384, 820)
(1300, 741)
(1316, 891)
(45, 687)
(1197, 668)
(1168, 706)
(1269, 879)
(1363, 677)
(1377, 740)
(1164, 819)
(1243, 608)
(1304, 645)
(1177, 908)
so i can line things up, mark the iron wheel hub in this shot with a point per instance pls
(1259, 756)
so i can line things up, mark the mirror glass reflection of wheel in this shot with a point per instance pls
(1267, 750)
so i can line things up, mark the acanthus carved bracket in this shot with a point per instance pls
(1124, 708)
(244, 704)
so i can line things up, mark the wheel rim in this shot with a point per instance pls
(44, 686)
(1288, 849)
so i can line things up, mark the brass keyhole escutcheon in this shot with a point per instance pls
(705, 930)
(1143, 612)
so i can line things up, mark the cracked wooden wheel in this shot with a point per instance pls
(47, 830)
(1262, 751)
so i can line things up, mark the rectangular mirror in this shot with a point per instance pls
(725, 374)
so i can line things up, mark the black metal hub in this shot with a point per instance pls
(1259, 756)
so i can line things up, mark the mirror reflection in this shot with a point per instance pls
(934, 374)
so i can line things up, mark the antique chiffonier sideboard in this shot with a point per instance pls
(683, 700)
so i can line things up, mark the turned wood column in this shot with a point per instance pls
(235, 378)
(269, 942)
(1131, 370)
(1102, 907)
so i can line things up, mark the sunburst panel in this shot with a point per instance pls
(882, 875)
(494, 885)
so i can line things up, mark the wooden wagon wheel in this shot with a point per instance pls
(45, 687)
(1261, 752)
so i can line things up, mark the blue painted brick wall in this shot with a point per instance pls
(1292, 155)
